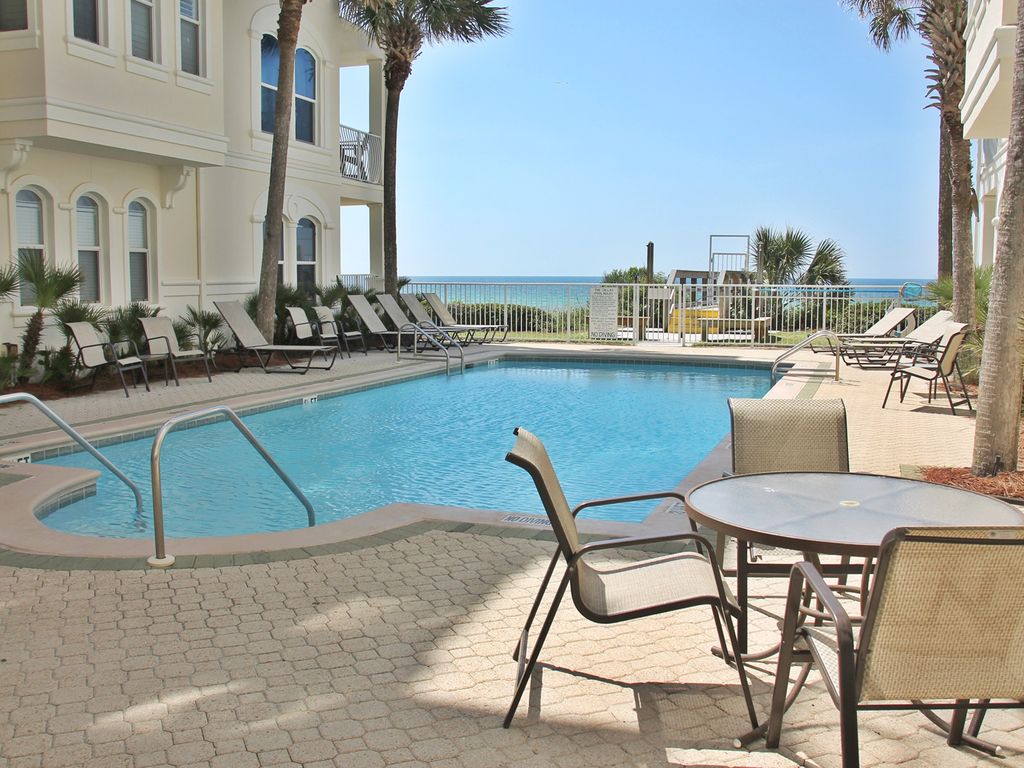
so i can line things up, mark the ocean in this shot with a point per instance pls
(587, 280)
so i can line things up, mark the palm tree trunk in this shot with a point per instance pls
(390, 178)
(963, 246)
(945, 268)
(997, 430)
(287, 40)
(30, 345)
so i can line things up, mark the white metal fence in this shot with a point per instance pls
(761, 315)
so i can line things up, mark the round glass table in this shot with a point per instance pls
(829, 513)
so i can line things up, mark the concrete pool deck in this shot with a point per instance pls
(392, 648)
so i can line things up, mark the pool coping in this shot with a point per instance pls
(25, 541)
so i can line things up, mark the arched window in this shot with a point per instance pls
(305, 96)
(305, 89)
(138, 252)
(31, 235)
(305, 256)
(87, 241)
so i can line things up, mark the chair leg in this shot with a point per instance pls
(967, 397)
(888, 389)
(145, 377)
(785, 663)
(123, 382)
(536, 603)
(526, 666)
(957, 723)
(174, 370)
(738, 656)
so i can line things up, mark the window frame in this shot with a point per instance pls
(100, 7)
(298, 97)
(98, 248)
(315, 261)
(199, 22)
(44, 214)
(265, 85)
(28, 17)
(154, 31)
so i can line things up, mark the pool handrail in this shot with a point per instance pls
(161, 559)
(804, 343)
(430, 332)
(85, 445)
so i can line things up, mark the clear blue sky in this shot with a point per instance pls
(591, 128)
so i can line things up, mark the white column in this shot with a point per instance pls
(377, 244)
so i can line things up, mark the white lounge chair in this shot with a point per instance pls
(250, 341)
(161, 340)
(445, 320)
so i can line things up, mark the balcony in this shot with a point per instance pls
(362, 155)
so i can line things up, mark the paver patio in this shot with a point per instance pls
(397, 653)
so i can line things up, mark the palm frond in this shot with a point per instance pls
(826, 267)
(47, 284)
(75, 311)
(8, 281)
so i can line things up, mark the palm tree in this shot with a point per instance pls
(941, 23)
(791, 257)
(399, 28)
(49, 285)
(8, 281)
(997, 429)
(287, 40)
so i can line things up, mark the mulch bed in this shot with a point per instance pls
(1008, 484)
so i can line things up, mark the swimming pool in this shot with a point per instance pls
(611, 429)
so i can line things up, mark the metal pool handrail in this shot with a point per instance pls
(804, 343)
(161, 559)
(430, 332)
(85, 445)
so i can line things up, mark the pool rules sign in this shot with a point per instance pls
(604, 312)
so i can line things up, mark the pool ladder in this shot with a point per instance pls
(163, 560)
(430, 332)
(806, 343)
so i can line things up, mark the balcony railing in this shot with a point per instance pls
(362, 155)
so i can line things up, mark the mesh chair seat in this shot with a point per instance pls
(646, 585)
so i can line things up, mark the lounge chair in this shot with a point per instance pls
(445, 320)
(613, 594)
(375, 326)
(886, 326)
(250, 341)
(429, 330)
(95, 354)
(161, 340)
(330, 331)
(941, 629)
(886, 351)
(422, 318)
(934, 367)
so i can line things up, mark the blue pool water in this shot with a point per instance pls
(611, 429)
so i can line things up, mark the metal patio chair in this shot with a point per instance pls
(95, 354)
(329, 330)
(942, 630)
(935, 365)
(161, 340)
(620, 593)
(445, 320)
(421, 317)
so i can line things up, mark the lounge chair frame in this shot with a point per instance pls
(862, 675)
(87, 359)
(329, 331)
(157, 333)
(884, 328)
(935, 364)
(886, 352)
(488, 333)
(250, 341)
(530, 455)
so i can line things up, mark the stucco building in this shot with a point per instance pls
(135, 144)
(991, 33)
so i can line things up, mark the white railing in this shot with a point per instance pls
(361, 282)
(361, 155)
(754, 315)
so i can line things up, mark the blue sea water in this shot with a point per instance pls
(611, 429)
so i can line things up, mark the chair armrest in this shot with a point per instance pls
(637, 541)
(113, 349)
(164, 339)
(627, 499)
(805, 574)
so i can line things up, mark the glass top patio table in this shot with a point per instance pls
(835, 513)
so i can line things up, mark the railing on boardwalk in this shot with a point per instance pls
(754, 315)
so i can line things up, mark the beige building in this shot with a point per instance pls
(991, 33)
(135, 144)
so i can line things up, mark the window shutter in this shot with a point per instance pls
(138, 268)
(142, 30)
(89, 266)
(29, 218)
(87, 223)
(13, 15)
(137, 236)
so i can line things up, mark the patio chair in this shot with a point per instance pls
(250, 341)
(886, 351)
(374, 325)
(445, 320)
(885, 327)
(617, 593)
(787, 436)
(421, 317)
(161, 340)
(934, 366)
(330, 331)
(95, 355)
(942, 629)
(400, 320)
